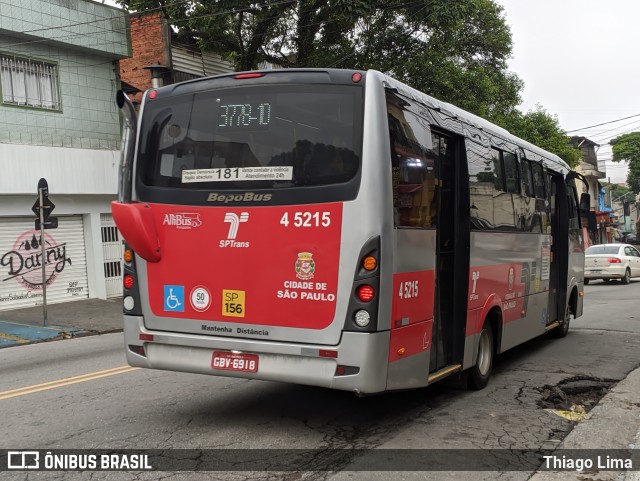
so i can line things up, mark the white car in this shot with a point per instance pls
(611, 261)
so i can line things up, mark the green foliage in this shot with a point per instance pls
(542, 129)
(617, 191)
(455, 51)
(626, 148)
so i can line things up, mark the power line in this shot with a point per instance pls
(604, 123)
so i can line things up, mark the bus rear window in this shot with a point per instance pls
(267, 137)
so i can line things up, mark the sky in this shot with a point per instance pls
(579, 60)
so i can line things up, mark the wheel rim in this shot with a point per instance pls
(627, 277)
(484, 353)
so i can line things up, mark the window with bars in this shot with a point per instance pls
(29, 82)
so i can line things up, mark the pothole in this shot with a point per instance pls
(577, 394)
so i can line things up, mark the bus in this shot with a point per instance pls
(337, 228)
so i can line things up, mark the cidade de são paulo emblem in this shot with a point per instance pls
(305, 266)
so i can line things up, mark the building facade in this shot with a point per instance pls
(599, 226)
(156, 51)
(59, 76)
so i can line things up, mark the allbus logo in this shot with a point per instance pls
(183, 220)
(234, 220)
(25, 260)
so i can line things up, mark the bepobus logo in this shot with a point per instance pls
(235, 221)
(246, 197)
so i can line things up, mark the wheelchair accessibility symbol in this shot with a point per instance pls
(174, 298)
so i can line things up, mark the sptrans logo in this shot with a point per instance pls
(234, 220)
(183, 220)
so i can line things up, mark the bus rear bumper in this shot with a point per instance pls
(364, 357)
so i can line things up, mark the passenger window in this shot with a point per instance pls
(538, 181)
(511, 172)
(413, 164)
(528, 178)
(497, 173)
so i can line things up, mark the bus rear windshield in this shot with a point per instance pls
(267, 137)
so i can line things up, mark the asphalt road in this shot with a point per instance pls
(81, 394)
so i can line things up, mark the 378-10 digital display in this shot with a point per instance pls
(244, 115)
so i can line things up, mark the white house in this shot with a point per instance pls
(58, 121)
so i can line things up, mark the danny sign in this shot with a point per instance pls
(21, 261)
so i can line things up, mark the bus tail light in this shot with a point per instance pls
(369, 263)
(130, 292)
(362, 318)
(614, 260)
(366, 293)
(362, 313)
(328, 353)
(248, 75)
(139, 350)
(346, 370)
(128, 281)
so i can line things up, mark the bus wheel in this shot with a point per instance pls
(562, 331)
(479, 374)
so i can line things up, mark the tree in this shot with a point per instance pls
(455, 51)
(626, 148)
(542, 129)
(617, 191)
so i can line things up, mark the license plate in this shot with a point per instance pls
(234, 361)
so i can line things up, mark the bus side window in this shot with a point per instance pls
(512, 172)
(528, 178)
(498, 170)
(574, 212)
(506, 199)
(538, 181)
(534, 209)
(413, 164)
(481, 187)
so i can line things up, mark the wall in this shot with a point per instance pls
(89, 118)
(73, 23)
(149, 46)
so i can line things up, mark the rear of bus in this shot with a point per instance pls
(253, 229)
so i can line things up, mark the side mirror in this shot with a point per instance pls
(585, 203)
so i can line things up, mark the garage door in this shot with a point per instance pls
(112, 252)
(21, 262)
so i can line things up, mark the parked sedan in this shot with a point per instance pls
(611, 261)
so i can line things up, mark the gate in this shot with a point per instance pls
(112, 252)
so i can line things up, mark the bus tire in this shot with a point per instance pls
(480, 373)
(562, 330)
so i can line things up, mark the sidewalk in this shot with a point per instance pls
(65, 320)
(613, 424)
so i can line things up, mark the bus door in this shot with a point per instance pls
(452, 252)
(559, 248)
